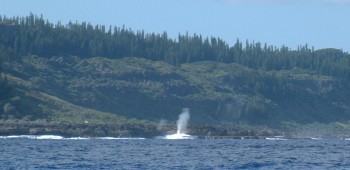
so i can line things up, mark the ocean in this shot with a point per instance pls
(55, 152)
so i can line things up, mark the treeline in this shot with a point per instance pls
(32, 35)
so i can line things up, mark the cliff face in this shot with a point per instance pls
(71, 89)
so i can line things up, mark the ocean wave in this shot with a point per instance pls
(32, 137)
(276, 138)
(77, 138)
(118, 138)
(56, 137)
(177, 136)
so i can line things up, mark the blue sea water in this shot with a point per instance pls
(136, 153)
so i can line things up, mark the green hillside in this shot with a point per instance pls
(80, 73)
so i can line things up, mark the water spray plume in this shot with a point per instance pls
(183, 120)
(181, 127)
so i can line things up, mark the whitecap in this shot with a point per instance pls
(118, 138)
(316, 138)
(17, 136)
(54, 137)
(77, 138)
(32, 137)
(179, 136)
(275, 138)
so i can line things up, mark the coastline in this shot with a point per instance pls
(74, 129)
(20, 127)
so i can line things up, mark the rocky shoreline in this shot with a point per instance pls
(122, 130)
(71, 130)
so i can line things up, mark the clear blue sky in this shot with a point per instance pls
(319, 23)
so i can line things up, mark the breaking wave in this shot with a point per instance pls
(56, 137)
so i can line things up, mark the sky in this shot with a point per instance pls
(318, 23)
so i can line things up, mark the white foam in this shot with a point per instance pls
(18, 136)
(181, 127)
(316, 138)
(117, 138)
(11, 136)
(276, 138)
(55, 137)
(180, 136)
(32, 137)
(77, 138)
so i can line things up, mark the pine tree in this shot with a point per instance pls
(32, 35)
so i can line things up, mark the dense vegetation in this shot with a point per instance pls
(78, 72)
(34, 35)
(5, 88)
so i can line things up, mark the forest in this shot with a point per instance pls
(33, 35)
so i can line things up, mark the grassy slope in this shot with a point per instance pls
(58, 110)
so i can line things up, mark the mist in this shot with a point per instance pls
(161, 124)
(183, 121)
